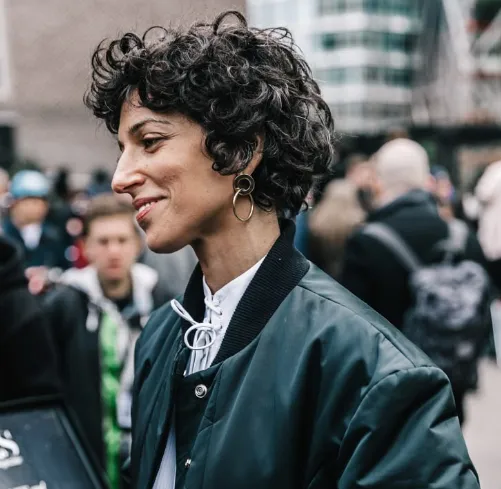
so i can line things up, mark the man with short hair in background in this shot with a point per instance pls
(98, 313)
(404, 203)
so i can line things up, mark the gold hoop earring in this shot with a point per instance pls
(243, 185)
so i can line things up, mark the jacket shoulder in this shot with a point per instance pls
(64, 297)
(363, 329)
(161, 323)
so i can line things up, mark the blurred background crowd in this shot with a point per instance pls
(415, 89)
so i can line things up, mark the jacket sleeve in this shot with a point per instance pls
(61, 305)
(27, 353)
(405, 434)
(129, 470)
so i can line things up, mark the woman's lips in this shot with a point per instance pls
(145, 210)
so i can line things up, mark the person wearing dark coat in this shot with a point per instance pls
(372, 271)
(27, 353)
(266, 373)
(43, 244)
(97, 315)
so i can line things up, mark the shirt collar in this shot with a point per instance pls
(228, 296)
(281, 271)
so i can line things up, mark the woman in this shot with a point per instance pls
(267, 374)
(330, 228)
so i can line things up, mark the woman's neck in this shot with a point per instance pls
(228, 254)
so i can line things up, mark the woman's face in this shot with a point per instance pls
(179, 197)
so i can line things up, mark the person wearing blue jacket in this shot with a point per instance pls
(26, 223)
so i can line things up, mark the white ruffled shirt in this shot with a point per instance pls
(219, 309)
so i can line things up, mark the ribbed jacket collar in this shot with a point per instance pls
(280, 272)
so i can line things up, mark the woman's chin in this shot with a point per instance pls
(164, 244)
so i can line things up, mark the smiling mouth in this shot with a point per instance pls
(145, 206)
(145, 209)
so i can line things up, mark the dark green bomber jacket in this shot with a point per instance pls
(310, 389)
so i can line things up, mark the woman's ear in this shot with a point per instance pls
(257, 156)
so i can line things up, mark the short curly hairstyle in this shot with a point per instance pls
(239, 84)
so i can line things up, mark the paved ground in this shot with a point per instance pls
(483, 427)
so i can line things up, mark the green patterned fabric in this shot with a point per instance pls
(110, 386)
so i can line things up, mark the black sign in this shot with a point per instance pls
(40, 450)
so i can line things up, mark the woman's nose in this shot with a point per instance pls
(126, 176)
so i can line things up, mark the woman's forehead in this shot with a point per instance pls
(135, 119)
(132, 108)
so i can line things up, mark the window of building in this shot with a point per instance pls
(373, 6)
(326, 7)
(328, 41)
(370, 75)
(386, 41)
(407, 8)
(329, 7)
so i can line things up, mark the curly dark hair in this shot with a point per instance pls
(239, 84)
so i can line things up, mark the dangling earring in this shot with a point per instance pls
(243, 185)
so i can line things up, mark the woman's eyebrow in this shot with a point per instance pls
(133, 130)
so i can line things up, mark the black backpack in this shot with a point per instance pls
(450, 315)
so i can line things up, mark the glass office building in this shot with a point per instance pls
(363, 53)
(384, 64)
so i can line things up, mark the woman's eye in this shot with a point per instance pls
(150, 142)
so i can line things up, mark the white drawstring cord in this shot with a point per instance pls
(203, 331)
(205, 336)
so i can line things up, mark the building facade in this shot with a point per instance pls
(363, 53)
(385, 64)
(49, 45)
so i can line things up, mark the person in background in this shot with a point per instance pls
(4, 182)
(174, 270)
(79, 204)
(269, 374)
(488, 195)
(302, 236)
(484, 206)
(98, 313)
(62, 216)
(27, 352)
(60, 210)
(330, 228)
(397, 132)
(404, 203)
(26, 224)
(4, 192)
(100, 183)
(467, 206)
(61, 186)
(375, 273)
(443, 190)
(360, 173)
